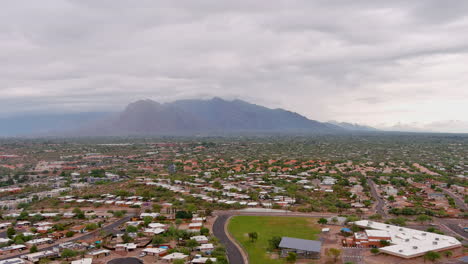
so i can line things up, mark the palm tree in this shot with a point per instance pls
(253, 236)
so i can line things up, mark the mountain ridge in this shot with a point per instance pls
(214, 116)
(146, 117)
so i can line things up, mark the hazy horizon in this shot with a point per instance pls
(398, 65)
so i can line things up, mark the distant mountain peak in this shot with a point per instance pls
(215, 115)
(352, 126)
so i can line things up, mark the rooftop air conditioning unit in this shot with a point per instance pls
(407, 240)
(415, 247)
(434, 243)
(436, 238)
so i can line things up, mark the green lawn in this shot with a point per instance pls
(267, 227)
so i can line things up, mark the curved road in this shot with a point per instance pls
(232, 251)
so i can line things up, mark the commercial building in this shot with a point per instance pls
(406, 242)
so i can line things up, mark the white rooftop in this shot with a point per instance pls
(409, 243)
(377, 233)
(199, 238)
(83, 261)
(203, 260)
(154, 250)
(175, 255)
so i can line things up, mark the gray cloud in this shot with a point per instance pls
(362, 61)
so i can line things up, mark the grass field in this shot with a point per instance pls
(267, 227)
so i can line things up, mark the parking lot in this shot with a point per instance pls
(353, 255)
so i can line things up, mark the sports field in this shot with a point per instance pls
(267, 227)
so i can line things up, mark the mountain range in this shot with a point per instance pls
(183, 117)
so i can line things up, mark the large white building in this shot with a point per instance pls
(410, 243)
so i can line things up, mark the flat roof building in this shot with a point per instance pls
(302, 247)
(406, 242)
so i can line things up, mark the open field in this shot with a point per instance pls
(267, 227)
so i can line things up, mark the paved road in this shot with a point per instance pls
(108, 228)
(458, 201)
(454, 225)
(380, 202)
(232, 251)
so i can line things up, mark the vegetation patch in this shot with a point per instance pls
(258, 246)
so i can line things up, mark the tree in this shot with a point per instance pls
(274, 242)
(291, 257)
(44, 261)
(448, 254)
(147, 220)
(375, 251)
(423, 218)
(70, 234)
(253, 236)
(157, 208)
(334, 253)
(431, 256)
(384, 243)
(11, 232)
(119, 214)
(91, 226)
(323, 221)
(78, 213)
(132, 229)
(375, 217)
(183, 215)
(126, 238)
(157, 240)
(19, 240)
(217, 185)
(68, 253)
(192, 243)
(204, 231)
(33, 249)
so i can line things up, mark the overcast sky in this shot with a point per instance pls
(375, 62)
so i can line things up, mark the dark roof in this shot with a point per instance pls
(125, 261)
(301, 244)
(464, 259)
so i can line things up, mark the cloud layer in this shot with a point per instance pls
(373, 62)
